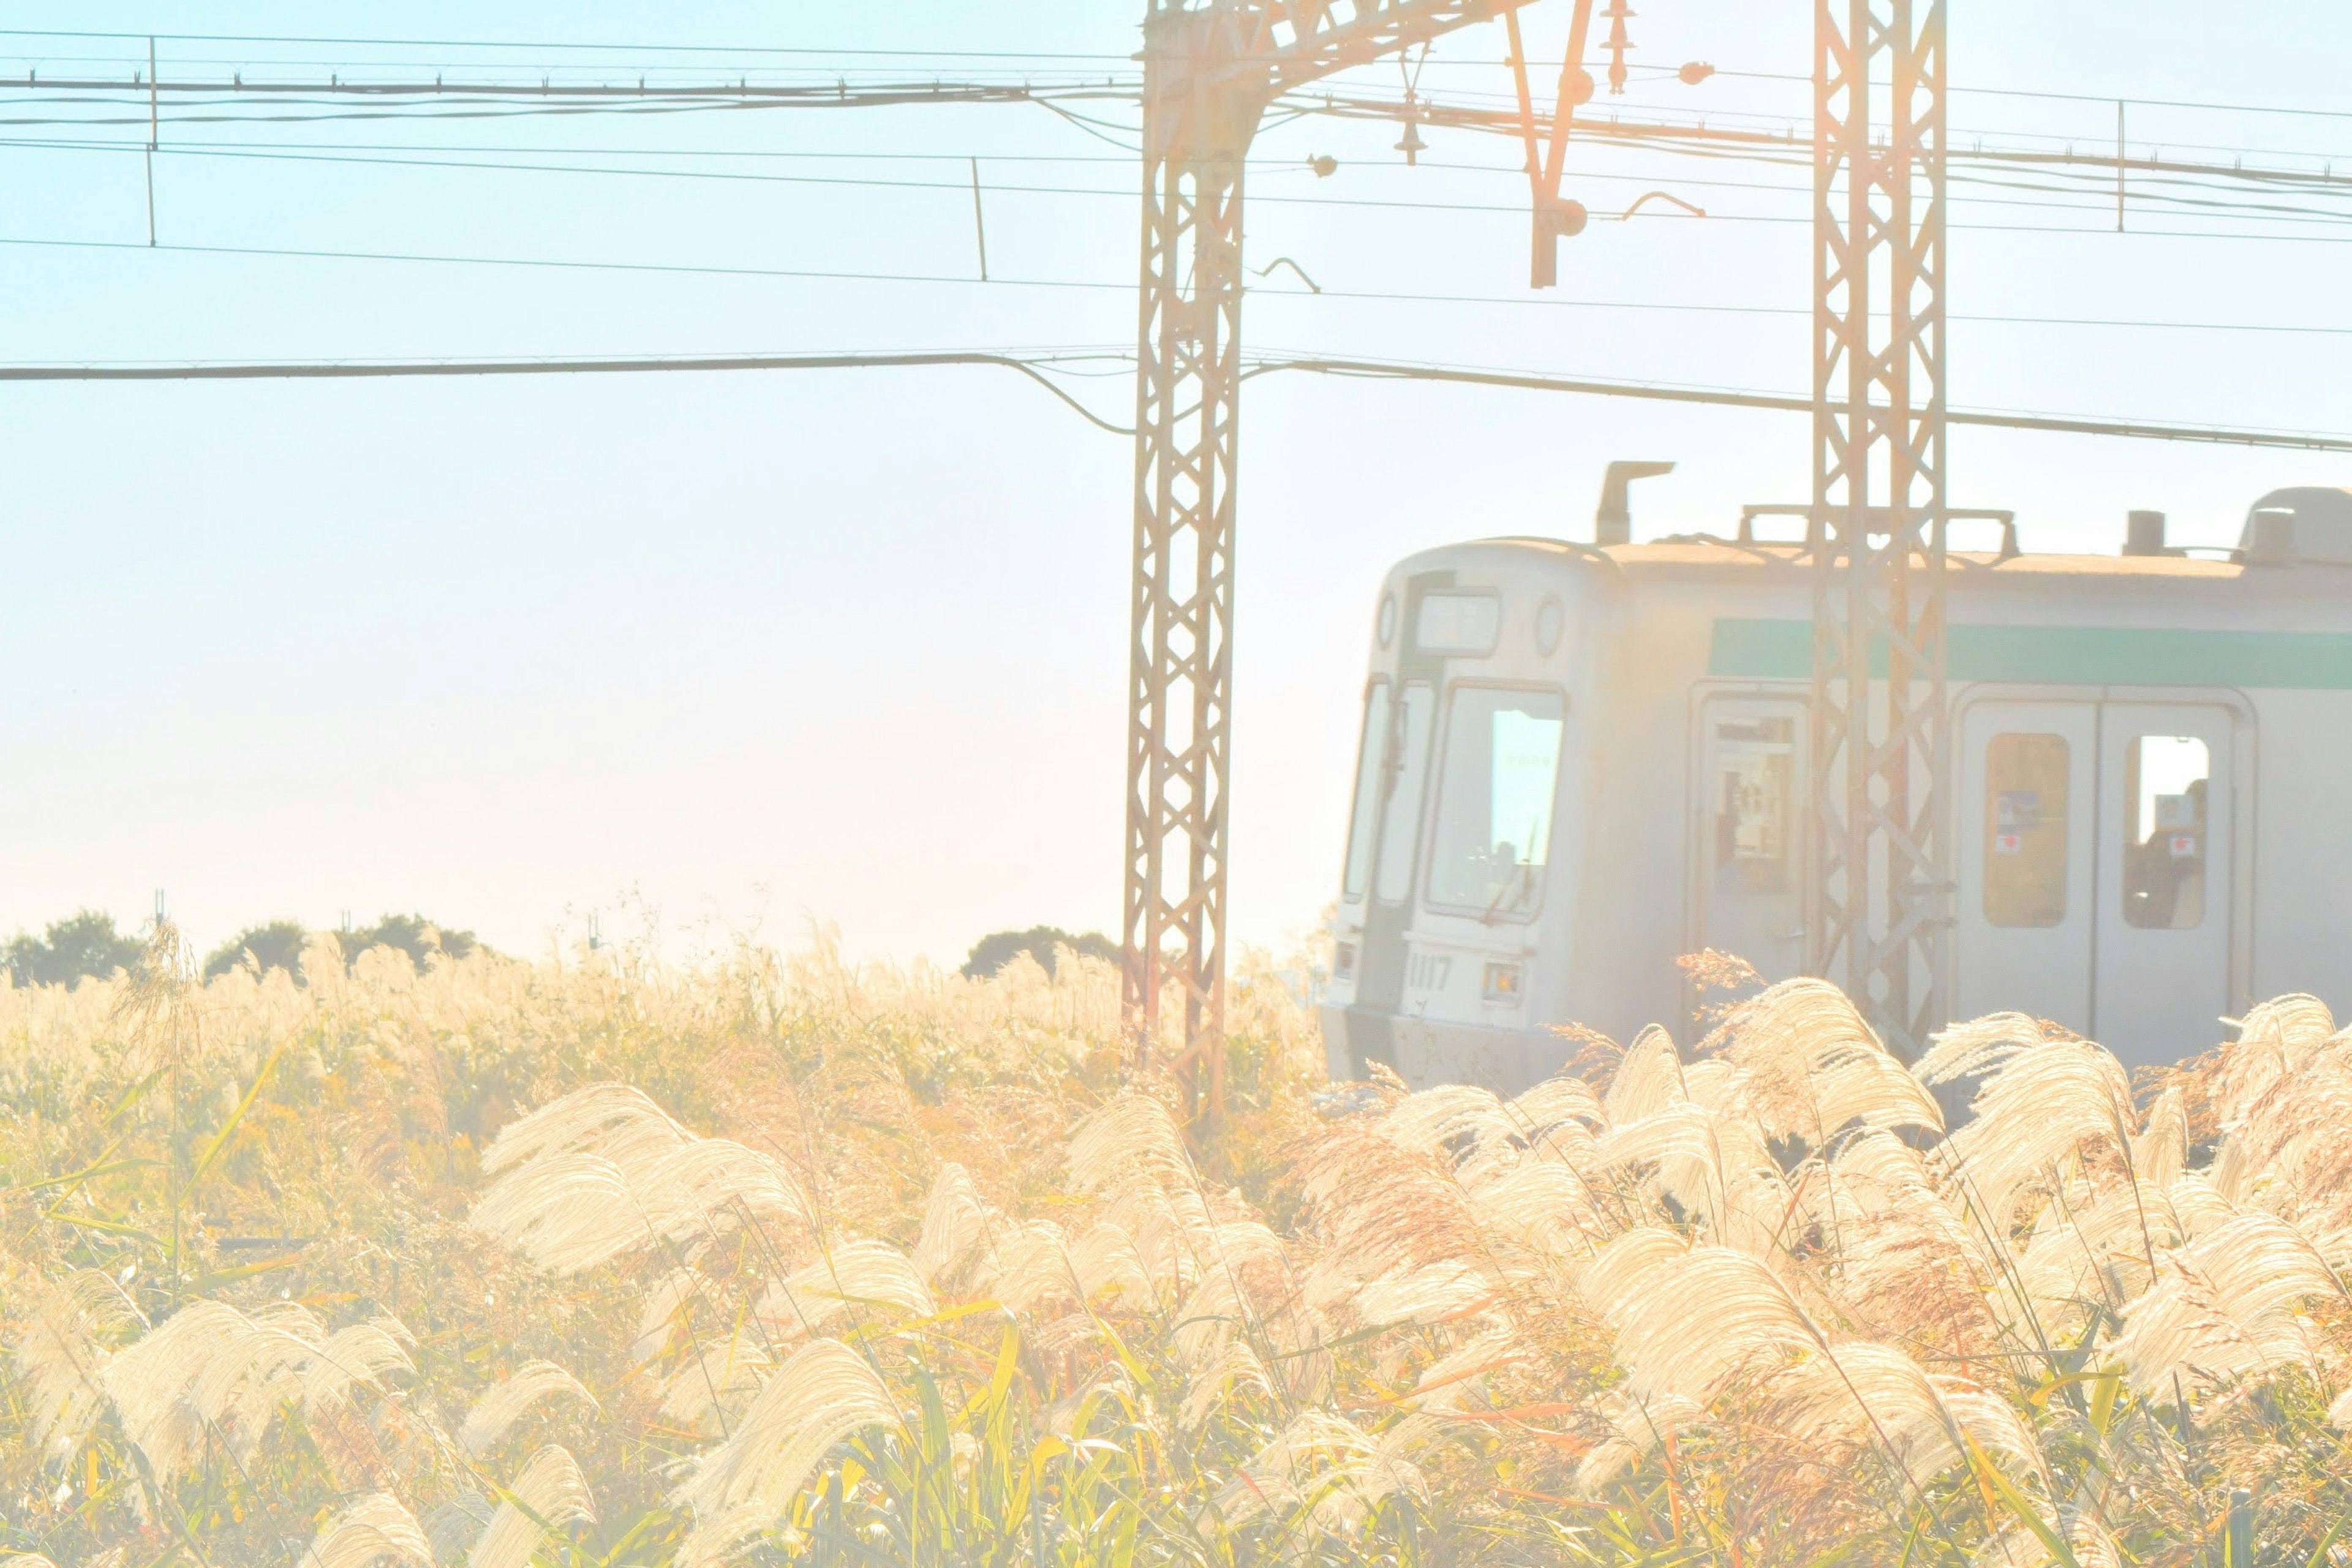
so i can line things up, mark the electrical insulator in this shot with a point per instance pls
(1617, 13)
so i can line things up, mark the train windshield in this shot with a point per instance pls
(1500, 777)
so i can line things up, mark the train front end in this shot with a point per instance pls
(1456, 902)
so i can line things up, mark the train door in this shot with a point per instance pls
(2027, 808)
(1393, 801)
(1751, 822)
(2166, 811)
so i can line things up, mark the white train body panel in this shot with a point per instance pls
(2151, 825)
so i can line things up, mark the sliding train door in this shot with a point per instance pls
(2166, 811)
(2097, 867)
(2028, 801)
(1749, 828)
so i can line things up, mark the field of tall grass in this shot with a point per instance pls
(781, 1260)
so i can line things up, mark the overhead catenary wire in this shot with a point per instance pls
(1529, 380)
(2163, 185)
(1765, 145)
(1035, 368)
(556, 46)
(575, 46)
(2274, 213)
(845, 275)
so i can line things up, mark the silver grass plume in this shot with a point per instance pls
(1649, 1078)
(1455, 1379)
(1693, 1322)
(1813, 1068)
(616, 1120)
(549, 1494)
(1460, 1124)
(2225, 1309)
(1032, 1266)
(1544, 1210)
(1235, 1368)
(372, 1530)
(1860, 1398)
(1224, 1301)
(1133, 1139)
(605, 1172)
(955, 1224)
(2058, 1101)
(1333, 1471)
(2161, 1153)
(453, 1524)
(1559, 1100)
(1106, 1262)
(825, 1393)
(668, 1305)
(1714, 1165)
(1432, 1293)
(2274, 1039)
(1636, 1427)
(209, 1368)
(713, 1378)
(503, 1404)
(1977, 1047)
(63, 1351)
(361, 1355)
(859, 1273)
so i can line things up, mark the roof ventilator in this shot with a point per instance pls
(2298, 526)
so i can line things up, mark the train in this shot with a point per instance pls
(1578, 761)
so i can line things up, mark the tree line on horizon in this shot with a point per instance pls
(89, 945)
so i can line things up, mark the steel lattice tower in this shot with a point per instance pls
(1210, 70)
(1881, 744)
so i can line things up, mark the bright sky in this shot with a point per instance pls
(734, 652)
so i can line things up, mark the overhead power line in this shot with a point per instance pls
(557, 47)
(743, 89)
(842, 275)
(1386, 370)
(1035, 367)
(355, 370)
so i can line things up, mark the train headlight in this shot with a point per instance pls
(1343, 960)
(1502, 983)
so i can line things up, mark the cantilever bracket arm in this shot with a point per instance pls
(1547, 160)
(1293, 42)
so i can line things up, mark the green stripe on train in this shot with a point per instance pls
(2068, 656)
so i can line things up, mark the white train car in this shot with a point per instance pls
(1577, 761)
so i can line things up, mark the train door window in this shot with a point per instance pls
(1400, 816)
(1371, 774)
(1754, 764)
(2026, 825)
(1495, 800)
(2168, 773)
(2028, 821)
(2166, 781)
(1747, 830)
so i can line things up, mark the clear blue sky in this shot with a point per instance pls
(753, 648)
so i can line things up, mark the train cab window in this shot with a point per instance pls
(1494, 799)
(1754, 761)
(1372, 771)
(1409, 774)
(2025, 830)
(2165, 778)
